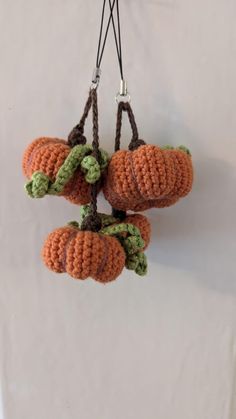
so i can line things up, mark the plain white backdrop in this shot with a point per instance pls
(159, 347)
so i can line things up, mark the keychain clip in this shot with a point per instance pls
(123, 93)
(96, 78)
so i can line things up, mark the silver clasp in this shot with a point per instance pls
(123, 94)
(96, 78)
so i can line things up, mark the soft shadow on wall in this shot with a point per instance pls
(196, 234)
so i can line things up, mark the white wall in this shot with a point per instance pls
(163, 347)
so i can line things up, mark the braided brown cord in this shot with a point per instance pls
(135, 141)
(95, 142)
(93, 221)
(76, 136)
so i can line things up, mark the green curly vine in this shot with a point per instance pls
(132, 242)
(40, 184)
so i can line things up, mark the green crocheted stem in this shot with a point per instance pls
(40, 184)
(185, 149)
(132, 243)
(181, 147)
(74, 224)
(69, 167)
(137, 263)
(107, 220)
(167, 147)
(84, 211)
(90, 166)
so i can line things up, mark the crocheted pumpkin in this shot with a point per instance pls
(148, 177)
(84, 254)
(49, 160)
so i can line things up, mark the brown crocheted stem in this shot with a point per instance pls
(93, 221)
(135, 141)
(76, 136)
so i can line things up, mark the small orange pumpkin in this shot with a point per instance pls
(84, 254)
(148, 177)
(47, 156)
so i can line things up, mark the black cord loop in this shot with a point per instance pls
(117, 37)
(100, 50)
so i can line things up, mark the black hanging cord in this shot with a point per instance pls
(117, 39)
(100, 49)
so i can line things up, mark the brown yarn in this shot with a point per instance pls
(83, 254)
(76, 136)
(93, 222)
(135, 141)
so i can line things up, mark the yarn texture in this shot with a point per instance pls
(102, 255)
(148, 177)
(137, 220)
(56, 169)
(84, 254)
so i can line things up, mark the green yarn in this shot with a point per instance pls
(67, 170)
(135, 260)
(185, 149)
(90, 166)
(133, 242)
(137, 263)
(167, 147)
(73, 224)
(181, 147)
(107, 220)
(128, 235)
(40, 184)
(84, 211)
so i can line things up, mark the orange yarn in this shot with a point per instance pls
(83, 254)
(148, 177)
(142, 223)
(47, 155)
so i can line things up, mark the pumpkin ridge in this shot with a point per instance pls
(37, 148)
(82, 249)
(152, 190)
(70, 238)
(32, 154)
(105, 255)
(150, 152)
(133, 174)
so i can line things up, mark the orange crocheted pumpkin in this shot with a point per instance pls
(47, 155)
(84, 254)
(148, 177)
